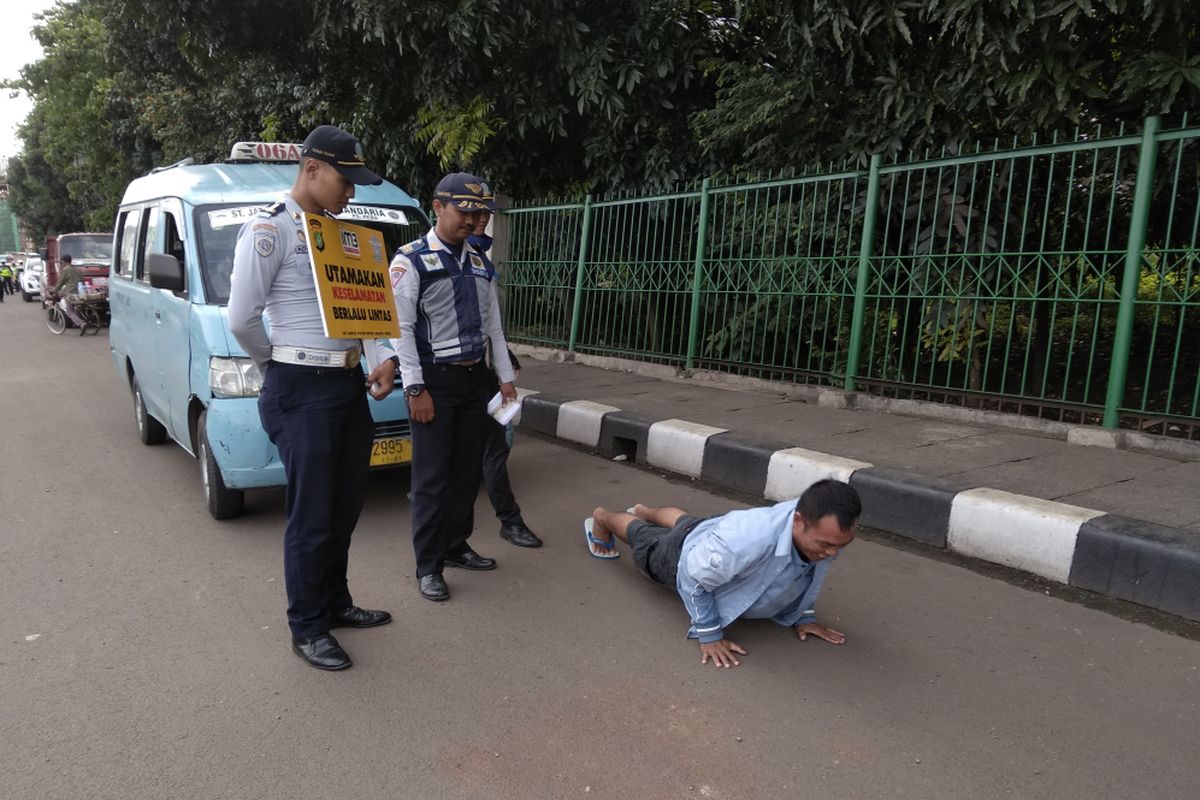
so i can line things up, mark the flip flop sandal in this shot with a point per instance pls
(611, 547)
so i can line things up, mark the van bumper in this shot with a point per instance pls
(246, 456)
(240, 446)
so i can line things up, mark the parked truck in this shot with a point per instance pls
(91, 252)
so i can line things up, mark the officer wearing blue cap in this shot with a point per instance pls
(313, 401)
(449, 313)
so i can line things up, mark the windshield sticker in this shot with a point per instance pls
(224, 217)
(373, 214)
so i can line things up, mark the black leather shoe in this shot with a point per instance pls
(433, 587)
(355, 617)
(469, 559)
(323, 652)
(520, 535)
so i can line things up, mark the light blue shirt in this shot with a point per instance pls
(744, 564)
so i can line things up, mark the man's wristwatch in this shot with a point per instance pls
(414, 389)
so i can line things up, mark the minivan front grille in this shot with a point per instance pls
(393, 428)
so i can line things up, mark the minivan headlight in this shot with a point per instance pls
(233, 377)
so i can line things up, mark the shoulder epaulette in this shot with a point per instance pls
(273, 209)
(413, 246)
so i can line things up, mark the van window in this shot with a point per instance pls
(167, 241)
(127, 229)
(216, 236)
(150, 234)
(172, 242)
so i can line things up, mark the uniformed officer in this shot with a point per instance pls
(313, 402)
(448, 310)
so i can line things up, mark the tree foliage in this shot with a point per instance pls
(826, 79)
(566, 96)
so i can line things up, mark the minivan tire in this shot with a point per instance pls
(26, 296)
(223, 502)
(150, 430)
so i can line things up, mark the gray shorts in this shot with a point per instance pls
(656, 550)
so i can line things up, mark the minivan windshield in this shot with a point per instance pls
(86, 247)
(217, 229)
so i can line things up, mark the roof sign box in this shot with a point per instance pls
(265, 151)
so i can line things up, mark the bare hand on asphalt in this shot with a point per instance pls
(721, 652)
(821, 632)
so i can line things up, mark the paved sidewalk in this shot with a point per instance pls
(1121, 522)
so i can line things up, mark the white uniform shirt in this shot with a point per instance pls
(272, 275)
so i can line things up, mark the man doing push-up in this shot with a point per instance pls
(757, 563)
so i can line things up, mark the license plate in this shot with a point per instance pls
(395, 450)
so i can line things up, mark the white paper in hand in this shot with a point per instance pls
(501, 411)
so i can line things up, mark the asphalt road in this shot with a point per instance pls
(144, 651)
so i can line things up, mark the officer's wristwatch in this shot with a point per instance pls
(414, 389)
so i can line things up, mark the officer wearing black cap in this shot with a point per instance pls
(449, 314)
(313, 401)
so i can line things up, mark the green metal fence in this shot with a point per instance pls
(1056, 278)
(10, 233)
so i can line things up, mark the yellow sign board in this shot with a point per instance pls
(350, 268)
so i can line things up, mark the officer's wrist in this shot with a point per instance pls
(395, 359)
(414, 389)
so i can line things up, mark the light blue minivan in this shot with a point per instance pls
(189, 379)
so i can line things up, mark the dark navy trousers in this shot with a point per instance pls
(495, 469)
(319, 421)
(447, 462)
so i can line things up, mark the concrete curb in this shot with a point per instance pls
(1152, 565)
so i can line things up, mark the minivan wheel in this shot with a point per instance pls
(26, 296)
(222, 501)
(150, 430)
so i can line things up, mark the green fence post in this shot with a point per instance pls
(1139, 217)
(864, 269)
(584, 239)
(697, 272)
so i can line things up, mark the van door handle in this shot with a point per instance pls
(157, 315)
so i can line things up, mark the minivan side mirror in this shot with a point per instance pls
(166, 272)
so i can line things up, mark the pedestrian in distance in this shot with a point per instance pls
(758, 563)
(449, 315)
(313, 402)
(499, 441)
(6, 280)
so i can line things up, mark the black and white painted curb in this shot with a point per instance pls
(1153, 565)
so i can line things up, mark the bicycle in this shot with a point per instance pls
(87, 315)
